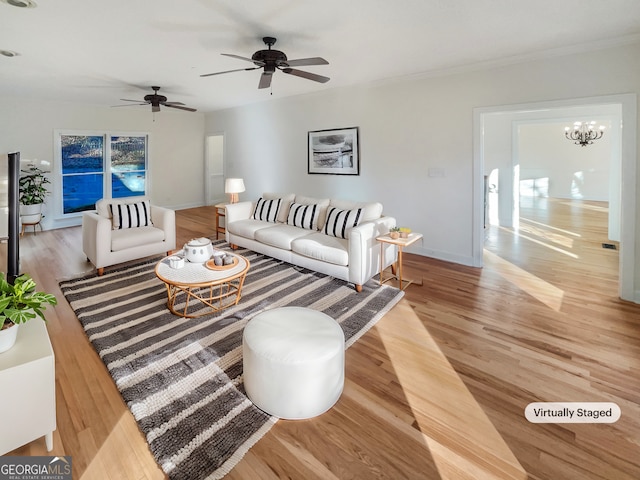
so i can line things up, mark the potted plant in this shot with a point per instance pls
(404, 232)
(19, 303)
(394, 232)
(33, 191)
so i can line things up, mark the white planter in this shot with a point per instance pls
(30, 214)
(8, 338)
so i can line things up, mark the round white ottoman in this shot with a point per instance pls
(293, 360)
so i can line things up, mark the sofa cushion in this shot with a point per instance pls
(280, 236)
(267, 210)
(304, 216)
(135, 237)
(323, 204)
(247, 228)
(322, 247)
(131, 215)
(103, 206)
(370, 211)
(339, 222)
(286, 198)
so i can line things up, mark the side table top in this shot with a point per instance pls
(413, 237)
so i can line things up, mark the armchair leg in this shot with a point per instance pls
(100, 271)
(358, 288)
(233, 246)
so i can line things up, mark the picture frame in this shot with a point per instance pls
(334, 152)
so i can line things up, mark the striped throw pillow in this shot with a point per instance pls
(131, 215)
(267, 210)
(339, 222)
(304, 216)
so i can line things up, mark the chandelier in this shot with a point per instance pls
(583, 133)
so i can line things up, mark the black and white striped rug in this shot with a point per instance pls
(182, 378)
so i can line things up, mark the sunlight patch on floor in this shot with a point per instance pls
(540, 289)
(544, 244)
(546, 234)
(105, 458)
(586, 206)
(448, 417)
(551, 227)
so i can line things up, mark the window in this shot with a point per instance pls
(101, 166)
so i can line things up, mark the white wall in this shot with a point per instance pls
(407, 127)
(176, 145)
(573, 171)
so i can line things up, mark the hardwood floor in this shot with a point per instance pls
(540, 322)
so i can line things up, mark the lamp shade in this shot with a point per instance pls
(233, 185)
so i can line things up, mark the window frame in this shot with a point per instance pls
(107, 171)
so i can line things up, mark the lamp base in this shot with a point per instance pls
(233, 198)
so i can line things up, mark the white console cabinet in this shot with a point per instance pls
(27, 389)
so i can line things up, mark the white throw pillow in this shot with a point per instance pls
(131, 215)
(267, 210)
(304, 216)
(339, 222)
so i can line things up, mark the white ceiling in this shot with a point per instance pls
(97, 52)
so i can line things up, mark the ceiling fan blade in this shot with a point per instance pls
(229, 71)
(155, 108)
(304, 62)
(127, 100)
(243, 58)
(307, 75)
(129, 105)
(265, 80)
(173, 105)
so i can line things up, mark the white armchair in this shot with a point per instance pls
(124, 229)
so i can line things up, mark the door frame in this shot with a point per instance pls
(628, 103)
(207, 172)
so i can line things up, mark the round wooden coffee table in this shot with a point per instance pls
(195, 283)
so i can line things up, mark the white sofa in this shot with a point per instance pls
(124, 229)
(354, 259)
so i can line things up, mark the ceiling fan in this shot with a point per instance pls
(155, 100)
(270, 60)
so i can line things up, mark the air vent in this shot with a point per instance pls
(610, 246)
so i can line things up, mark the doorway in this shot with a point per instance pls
(625, 171)
(214, 169)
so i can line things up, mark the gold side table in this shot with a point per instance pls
(400, 243)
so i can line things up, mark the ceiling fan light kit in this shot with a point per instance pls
(271, 60)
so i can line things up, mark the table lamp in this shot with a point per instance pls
(233, 186)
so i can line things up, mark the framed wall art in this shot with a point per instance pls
(334, 152)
